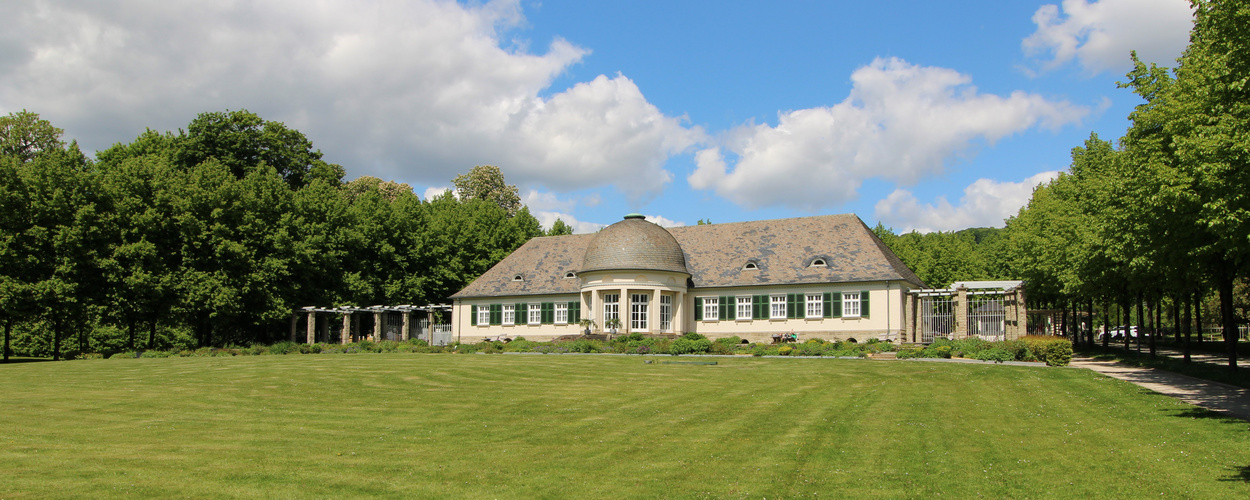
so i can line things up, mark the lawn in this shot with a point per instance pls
(524, 426)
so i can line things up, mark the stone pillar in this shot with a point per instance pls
(1022, 310)
(312, 327)
(294, 325)
(347, 328)
(909, 322)
(403, 335)
(377, 326)
(429, 315)
(679, 303)
(960, 305)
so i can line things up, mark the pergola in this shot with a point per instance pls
(351, 320)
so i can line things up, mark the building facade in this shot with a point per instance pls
(825, 277)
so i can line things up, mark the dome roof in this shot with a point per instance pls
(634, 244)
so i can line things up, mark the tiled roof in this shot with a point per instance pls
(634, 244)
(782, 251)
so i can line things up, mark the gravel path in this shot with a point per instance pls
(1224, 398)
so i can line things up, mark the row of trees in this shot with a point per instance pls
(1164, 215)
(213, 235)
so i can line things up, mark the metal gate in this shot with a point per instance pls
(937, 318)
(987, 316)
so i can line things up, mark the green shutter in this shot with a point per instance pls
(698, 308)
(828, 305)
(791, 306)
(759, 306)
(837, 304)
(472, 315)
(863, 303)
(575, 312)
(496, 314)
(726, 310)
(520, 315)
(548, 313)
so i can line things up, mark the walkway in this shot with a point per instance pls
(1223, 398)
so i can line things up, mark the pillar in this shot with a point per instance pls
(653, 314)
(377, 326)
(403, 334)
(347, 328)
(679, 308)
(961, 312)
(909, 321)
(312, 327)
(622, 311)
(429, 314)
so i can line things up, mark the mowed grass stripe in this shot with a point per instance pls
(556, 426)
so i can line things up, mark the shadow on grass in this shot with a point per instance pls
(1241, 474)
(1199, 412)
(24, 360)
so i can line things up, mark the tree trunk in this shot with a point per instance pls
(8, 331)
(1188, 327)
(1198, 316)
(1141, 324)
(1225, 282)
(56, 340)
(1176, 319)
(152, 335)
(1126, 311)
(1152, 313)
(1089, 331)
(1106, 326)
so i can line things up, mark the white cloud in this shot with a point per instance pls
(1101, 34)
(419, 90)
(985, 203)
(901, 122)
(665, 222)
(547, 218)
(433, 191)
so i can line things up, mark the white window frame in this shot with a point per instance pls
(777, 306)
(535, 314)
(850, 305)
(509, 314)
(744, 307)
(711, 308)
(638, 309)
(815, 305)
(483, 315)
(562, 313)
(666, 313)
(611, 307)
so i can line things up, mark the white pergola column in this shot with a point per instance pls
(622, 310)
(653, 312)
(679, 309)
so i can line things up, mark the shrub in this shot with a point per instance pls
(156, 354)
(693, 336)
(995, 354)
(687, 345)
(784, 350)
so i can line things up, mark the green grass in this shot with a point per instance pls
(524, 426)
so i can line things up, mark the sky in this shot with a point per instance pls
(920, 115)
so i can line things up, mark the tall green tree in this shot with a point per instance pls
(23, 135)
(486, 182)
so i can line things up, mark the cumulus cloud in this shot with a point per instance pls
(547, 207)
(985, 203)
(663, 221)
(434, 191)
(901, 122)
(1101, 34)
(419, 90)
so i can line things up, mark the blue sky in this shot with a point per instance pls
(921, 115)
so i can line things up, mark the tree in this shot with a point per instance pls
(24, 135)
(242, 141)
(559, 228)
(486, 182)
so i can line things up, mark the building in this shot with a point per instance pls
(825, 277)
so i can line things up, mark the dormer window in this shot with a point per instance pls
(750, 266)
(817, 263)
(518, 278)
(570, 275)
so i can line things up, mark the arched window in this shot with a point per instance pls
(518, 278)
(570, 275)
(750, 266)
(817, 263)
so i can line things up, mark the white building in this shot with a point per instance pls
(823, 277)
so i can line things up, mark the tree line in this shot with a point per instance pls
(1149, 227)
(213, 235)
